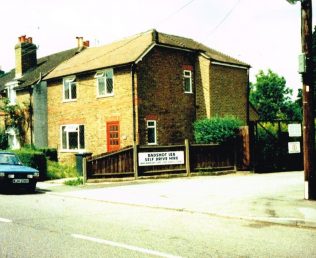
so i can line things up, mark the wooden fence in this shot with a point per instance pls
(173, 159)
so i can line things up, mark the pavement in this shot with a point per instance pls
(266, 198)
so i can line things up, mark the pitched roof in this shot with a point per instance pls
(188, 43)
(129, 50)
(121, 52)
(44, 66)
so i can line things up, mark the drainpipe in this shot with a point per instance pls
(31, 114)
(133, 66)
(31, 105)
(248, 102)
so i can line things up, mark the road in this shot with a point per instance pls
(54, 222)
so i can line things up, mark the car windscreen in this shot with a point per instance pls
(9, 159)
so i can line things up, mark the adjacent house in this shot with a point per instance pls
(24, 86)
(146, 89)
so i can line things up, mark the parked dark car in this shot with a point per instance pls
(14, 174)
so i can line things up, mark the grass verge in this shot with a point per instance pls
(74, 182)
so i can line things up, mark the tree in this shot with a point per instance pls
(272, 98)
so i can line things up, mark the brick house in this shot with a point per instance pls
(147, 89)
(24, 86)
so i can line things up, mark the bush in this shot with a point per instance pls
(56, 170)
(34, 159)
(43, 160)
(50, 153)
(216, 129)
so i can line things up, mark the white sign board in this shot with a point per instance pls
(294, 147)
(295, 130)
(160, 158)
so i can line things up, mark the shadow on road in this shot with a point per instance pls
(21, 191)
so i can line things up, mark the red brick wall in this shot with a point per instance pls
(161, 95)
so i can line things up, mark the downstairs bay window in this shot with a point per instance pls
(72, 137)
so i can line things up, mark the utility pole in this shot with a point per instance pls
(306, 69)
(308, 99)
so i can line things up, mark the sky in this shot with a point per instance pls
(262, 33)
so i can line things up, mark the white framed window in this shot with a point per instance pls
(151, 132)
(187, 81)
(105, 85)
(11, 93)
(69, 88)
(72, 137)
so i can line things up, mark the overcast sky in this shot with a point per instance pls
(262, 33)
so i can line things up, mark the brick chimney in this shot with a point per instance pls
(81, 44)
(25, 55)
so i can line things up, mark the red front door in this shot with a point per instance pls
(113, 135)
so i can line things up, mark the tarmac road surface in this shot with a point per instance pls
(226, 216)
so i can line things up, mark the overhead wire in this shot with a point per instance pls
(176, 12)
(224, 19)
(132, 38)
(167, 18)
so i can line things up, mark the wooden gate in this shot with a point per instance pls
(270, 147)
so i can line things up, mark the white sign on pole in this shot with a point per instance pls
(295, 130)
(294, 147)
(160, 158)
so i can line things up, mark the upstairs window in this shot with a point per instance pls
(70, 88)
(105, 85)
(151, 132)
(187, 81)
(72, 137)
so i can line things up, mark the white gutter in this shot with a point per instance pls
(140, 58)
(177, 48)
(229, 65)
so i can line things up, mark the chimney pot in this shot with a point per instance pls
(86, 43)
(23, 38)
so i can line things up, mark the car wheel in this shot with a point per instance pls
(32, 187)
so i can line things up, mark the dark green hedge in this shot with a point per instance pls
(3, 139)
(216, 129)
(34, 159)
(50, 153)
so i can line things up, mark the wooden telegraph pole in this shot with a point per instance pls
(308, 105)
(306, 69)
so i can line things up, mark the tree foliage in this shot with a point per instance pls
(272, 98)
(15, 117)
